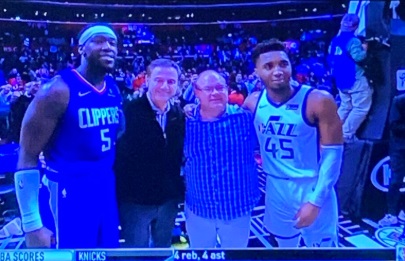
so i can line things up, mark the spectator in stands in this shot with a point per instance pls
(139, 81)
(5, 94)
(235, 95)
(250, 83)
(221, 183)
(37, 57)
(188, 94)
(149, 159)
(18, 107)
(397, 158)
(43, 72)
(2, 76)
(239, 78)
(19, 82)
(126, 85)
(258, 86)
(182, 77)
(13, 73)
(129, 79)
(32, 74)
(302, 74)
(346, 55)
(185, 84)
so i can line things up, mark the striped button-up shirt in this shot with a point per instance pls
(220, 170)
(161, 117)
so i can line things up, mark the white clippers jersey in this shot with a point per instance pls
(289, 144)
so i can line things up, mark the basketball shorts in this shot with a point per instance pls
(85, 212)
(283, 200)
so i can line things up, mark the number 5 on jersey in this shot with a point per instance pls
(105, 139)
(285, 145)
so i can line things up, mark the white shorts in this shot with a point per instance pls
(283, 200)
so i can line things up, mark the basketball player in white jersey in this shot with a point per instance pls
(300, 136)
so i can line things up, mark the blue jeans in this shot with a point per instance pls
(148, 225)
(397, 157)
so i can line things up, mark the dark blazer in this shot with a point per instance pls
(397, 116)
(148, 164)
(397, 134)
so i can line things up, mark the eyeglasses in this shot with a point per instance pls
(218, 88)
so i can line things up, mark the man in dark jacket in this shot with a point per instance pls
(18, 107)
(149, 159)
(397, 158)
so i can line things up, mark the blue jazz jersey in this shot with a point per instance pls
(85, 137)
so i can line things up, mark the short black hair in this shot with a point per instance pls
(267, 46)
(162, 62)
(95, 24)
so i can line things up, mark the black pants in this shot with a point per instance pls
(397, 177)
(146, 226)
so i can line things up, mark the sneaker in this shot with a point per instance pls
(12, 228)
(388, 220)
(401, 217)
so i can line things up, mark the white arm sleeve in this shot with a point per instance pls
(329, 172)
(27, 190)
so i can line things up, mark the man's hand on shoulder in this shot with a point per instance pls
(189, 109)
(251, 101)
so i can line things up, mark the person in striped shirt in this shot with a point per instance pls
(220, 172)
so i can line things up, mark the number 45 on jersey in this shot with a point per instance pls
(284, 146)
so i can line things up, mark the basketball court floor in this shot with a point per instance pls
(364, 233)
(361, 234)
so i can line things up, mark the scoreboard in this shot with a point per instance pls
(201, 255)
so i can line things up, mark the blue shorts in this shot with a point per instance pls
(84, 211)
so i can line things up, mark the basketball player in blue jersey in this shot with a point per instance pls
(300, 136)
(75, 120)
